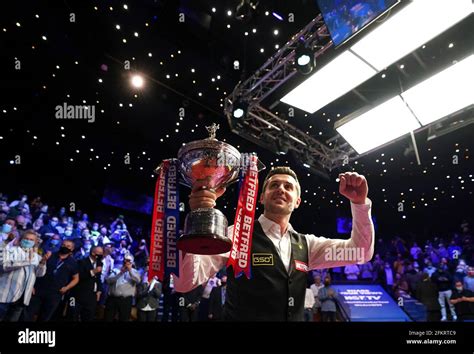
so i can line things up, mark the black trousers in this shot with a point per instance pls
(188, 315)
(328, 316)
(120, 305)
(43, 305)
(85, 310)
(146, 316)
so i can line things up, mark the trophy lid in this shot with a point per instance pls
(209, 143)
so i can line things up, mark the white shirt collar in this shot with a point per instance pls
(268, 225)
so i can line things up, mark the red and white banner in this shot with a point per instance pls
(157, 257)
(239, 257)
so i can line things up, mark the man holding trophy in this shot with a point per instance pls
(267, 260)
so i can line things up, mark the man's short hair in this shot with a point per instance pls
(282, 170)
(30, 232)
(70, 242)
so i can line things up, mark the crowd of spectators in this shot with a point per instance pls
(61, 265)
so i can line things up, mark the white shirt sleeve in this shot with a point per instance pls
(359, 249)
(195, 269)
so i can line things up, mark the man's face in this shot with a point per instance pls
(30, 237)
(98, 252)
(69, 245)
(20, 220)
(280, 195)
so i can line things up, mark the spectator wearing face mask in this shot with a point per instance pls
(62, 275)
(95, 230)
(463, 300)
(88, 290)
(7, 229)
(50, 228)
(52, 244)
(84, 251)
(122, 288)
(429, 269)
(20, 266)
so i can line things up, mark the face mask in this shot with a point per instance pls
(54, 223)
(68, 232)
(64, 250)
(223, 283)
(99, 258)
(55, 242)
(87, 247)
(27, 243)
(6, 228)
(458, 288)
(95, 228)
(44, 209)
(327, 283)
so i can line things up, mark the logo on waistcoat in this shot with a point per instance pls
(260, 259)
(301, 266)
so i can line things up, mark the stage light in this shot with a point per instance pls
(382, 124)
(414, 25)
(309, 97)
(444, 93)
(240, 110)
(305, 61)
(137, 81)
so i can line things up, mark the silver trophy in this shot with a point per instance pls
(210, 164)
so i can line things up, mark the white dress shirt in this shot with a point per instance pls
(195, 270)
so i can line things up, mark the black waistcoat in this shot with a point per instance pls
(272, 294)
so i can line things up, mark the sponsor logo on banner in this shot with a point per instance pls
(301, 266)
(157, 259)
(239, 257)
(262, 259)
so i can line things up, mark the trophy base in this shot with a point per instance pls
(204, 244)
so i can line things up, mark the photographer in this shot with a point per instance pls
(121, 291)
